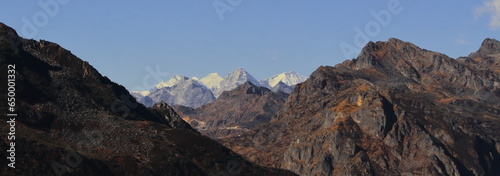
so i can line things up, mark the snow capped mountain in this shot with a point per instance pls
(142, 93)
(176, 79)
(212, 81)
(179, 90)
(234, 79)
(194, 92)
(189, 93)
(289, 78)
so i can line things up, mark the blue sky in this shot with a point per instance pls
(124, 40)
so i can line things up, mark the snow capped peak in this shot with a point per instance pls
(234, 79)
(176, 79)
(179, 77)
(240, 75)
(289, 78)
(183, 91)
(215, 84)
(240, 69)
(213, 75)
(212, 81)
(143, 93)
(193, 82)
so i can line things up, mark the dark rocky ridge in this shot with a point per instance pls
(397, 109)
(485, 59)
(66, 108)
(235, 112)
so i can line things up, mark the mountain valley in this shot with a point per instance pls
(71, 120)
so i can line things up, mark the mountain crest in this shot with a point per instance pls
(234, 79)
(176, 79)
(387, 54)
(242, 74)
(212, 81)
(489, 46)
(289, 78)
(393, 45)
(8, 40)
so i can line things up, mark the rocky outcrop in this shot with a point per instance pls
(235, 112)
(397, 109)
(72, 120)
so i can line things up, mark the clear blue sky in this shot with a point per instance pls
(123, 38)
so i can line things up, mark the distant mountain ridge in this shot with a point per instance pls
(194, 92)
(289, 78)
(176, 79)
(234, 79)
(179, 90)
(212, 81)
(284, 82)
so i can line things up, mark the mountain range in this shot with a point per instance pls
(194, 92)
(179, 90)
(396, 109)
(71, 120)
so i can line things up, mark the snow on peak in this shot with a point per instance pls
(212, 80)
(234, 79)
(240, 76)
(143, 93)
(176, 79)
(216, 84)
(289, 78)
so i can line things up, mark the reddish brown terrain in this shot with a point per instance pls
(234, 112)
(397, 109)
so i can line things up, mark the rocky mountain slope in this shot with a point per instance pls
(234, 112)
(73, 121)
(396, 109)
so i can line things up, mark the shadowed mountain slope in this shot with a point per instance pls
(72, 120)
